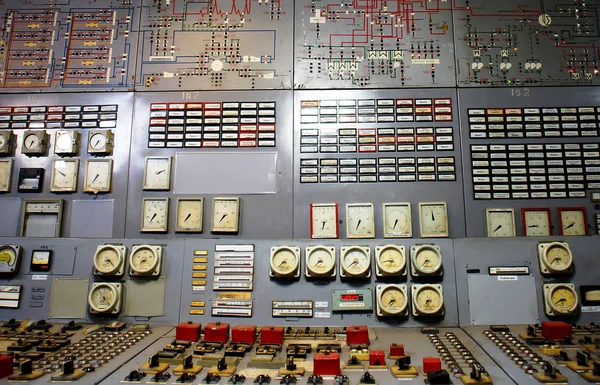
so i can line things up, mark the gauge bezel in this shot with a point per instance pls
(546, 266)
(118, 270)
(417, 310)
(417, 272)
(154, 270)
(381, 271)
(293, 273)
(344, 272)
(381, 289)
(329, 273)
(551, 310)
(115, 306)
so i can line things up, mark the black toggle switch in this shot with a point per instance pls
(68, 367)
(353, 361)
(221, 364)
(135, 376)
(262, 379)
(596, 371)
(549, 370)
(341, 380)
(289, 364)
(315, 380)
(583, 358)
(188, 362)
(288, 379)
(475, 372)
(212, 378)
(26, 367)
(161, 377)
(367, 378)
(562, 356)
(438, 377)
(531, 330)
(153, 361)
(237, 378)
(186, 377)
(403, 363)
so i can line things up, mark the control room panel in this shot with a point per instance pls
(300, 192)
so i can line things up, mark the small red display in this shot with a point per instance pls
(351, 297)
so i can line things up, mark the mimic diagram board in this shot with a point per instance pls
(356, 44)
(516, 42)
(217, 44)
(64, 46)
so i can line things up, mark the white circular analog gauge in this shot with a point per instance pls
(108, 260)
(98, 141)
(390, 259)
(320, 261)
(428, 299)
(144, 261)
(103, 298)
(356, 261)
(556, 257)
(562, 299)
(392, 300)
(285, 261)
(31, 141)
(8, 255)
(426, 260)
(64, 141)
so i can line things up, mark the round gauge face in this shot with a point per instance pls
(2, 140)
(557, 258)
(8, 256)
(392, 300)
(391, 260)
(427, 260)
(428, 300)
(356, 262)
(563, 300)
(320, 261)
(397, 222)
(144, 261)
(98, 141)
(31, 141)
(64, 141)
(108, 260)
(284, 262)
(103, 298)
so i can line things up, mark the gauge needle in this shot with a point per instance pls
(432, 216)
(31, 143)
(318, 262)
(556, 259)
(223, 217)
(498, 228)
(388, 261)
(159, 172)
(562, 299)
(323, 227)
(154, 216)
(426, 262)
(571, 225)
(353, 263)
(392, 301)
(284, 262)
(96, 177)
(66, 175)
(427, 302)
(188, 217)
(109, 261)
(358, 224)
(534, 226)
(143, 261)
(97, 143)
(395, 224)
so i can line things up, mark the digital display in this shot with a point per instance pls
(351, 297)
